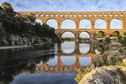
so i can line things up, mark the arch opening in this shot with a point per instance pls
(85, 24)
(68, 60)
(38, 21)
(99, 35)
(84, 36)
(114, 35)
(100, 24)
(52, 23)
(68, 36)
(116, 24)
(68, 24)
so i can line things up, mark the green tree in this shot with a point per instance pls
(115, 34)
(7, 10)
(99, 35)
(2, 32)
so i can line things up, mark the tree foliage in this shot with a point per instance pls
(23, 25)
(2, 32)
(115, 34)
(99, 35)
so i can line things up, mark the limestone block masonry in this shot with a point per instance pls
(78, 16)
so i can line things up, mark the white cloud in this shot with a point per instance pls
(67, 5)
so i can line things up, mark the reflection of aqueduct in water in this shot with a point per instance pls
(61, 68)
(92, 17)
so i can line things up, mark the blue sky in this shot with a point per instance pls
(67, 5)
(70, 5)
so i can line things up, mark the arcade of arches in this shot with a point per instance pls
(107, 22)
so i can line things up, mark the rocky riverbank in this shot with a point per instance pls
(106, 75)
(110, 68)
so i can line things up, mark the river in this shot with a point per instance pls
(46, 64)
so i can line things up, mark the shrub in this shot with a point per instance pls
(81, 75)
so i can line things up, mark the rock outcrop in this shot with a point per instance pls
(105, 75)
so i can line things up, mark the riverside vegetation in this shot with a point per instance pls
(110, 68)
(17, 29)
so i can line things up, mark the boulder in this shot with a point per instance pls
(102, 75)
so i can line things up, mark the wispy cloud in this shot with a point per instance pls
(67, 5)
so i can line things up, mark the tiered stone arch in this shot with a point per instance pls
(120, 22)
(54, 23)
(100, 22)
(78, 16)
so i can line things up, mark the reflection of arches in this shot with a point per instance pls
(84, 48)
(52, 23)
(68, 24)
(53, 61)
(100, 24)
(38, 21)
(68, 60)
(99, 49)
(85, 24)
(84, 61)
(84, 34)
(116, 24)
(68, 47)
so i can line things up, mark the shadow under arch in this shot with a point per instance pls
(100, 24)
(68, 24)
(116, 24)
(52, 23)
(85, 24)
(68, 60)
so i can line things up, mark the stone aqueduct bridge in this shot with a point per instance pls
(78, 16)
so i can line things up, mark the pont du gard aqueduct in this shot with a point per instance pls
(78, 16)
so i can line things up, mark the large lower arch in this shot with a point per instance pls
(100, 24)
(99, 34)
(85, 24)
(68, 24)
(68, 60)
(38, 21)
(116, 24)
(115, 34)
(68, 36)
(52, 23)
(84, 35)
(68, 46)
